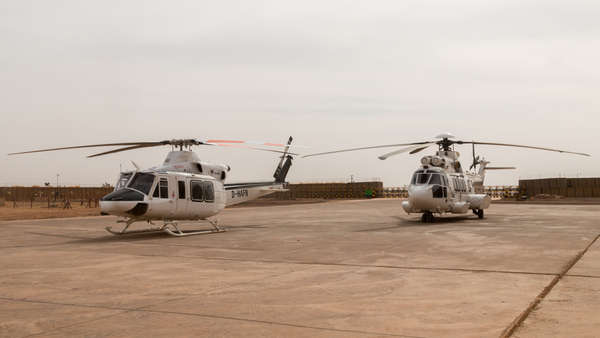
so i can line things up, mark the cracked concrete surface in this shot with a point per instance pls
(336, 269)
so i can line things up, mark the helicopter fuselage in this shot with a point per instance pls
(166, 195)
(440, 186)
(178, 196)
(183, 188)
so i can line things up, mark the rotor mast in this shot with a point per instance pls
(445, 143)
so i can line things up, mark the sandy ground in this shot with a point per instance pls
(25, 210)
(336, 269)
(41, 211)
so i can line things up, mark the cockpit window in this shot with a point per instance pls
(420, 178)
(142, 182)
(435, 179)
(123, 179)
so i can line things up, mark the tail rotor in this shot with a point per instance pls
(476, 159)
(284, 164)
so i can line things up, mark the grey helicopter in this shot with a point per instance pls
(441, 185)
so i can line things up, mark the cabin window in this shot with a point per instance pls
(460, 185)
(209, 191)
(445, 181)
(142, 182)
(164, 188)
(196, 191)
(155, 194)
(439, 192)
(181, 189)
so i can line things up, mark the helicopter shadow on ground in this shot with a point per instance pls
(108, 238)
(416, 221)
(141, 237)
(411, 221)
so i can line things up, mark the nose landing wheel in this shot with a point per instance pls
(427, 217)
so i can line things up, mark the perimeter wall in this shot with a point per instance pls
(566, 187)
(329, 190)
(21, 194)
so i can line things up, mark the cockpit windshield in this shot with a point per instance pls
(435, 179)
(421, 178)
(123, 179)
(142, 182)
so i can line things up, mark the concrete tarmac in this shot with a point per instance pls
(336, 269)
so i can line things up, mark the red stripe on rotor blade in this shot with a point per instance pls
(224, 141)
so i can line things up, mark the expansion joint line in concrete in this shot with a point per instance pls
(124, 311)
(516, 323)
(399, 267)
(201, 315)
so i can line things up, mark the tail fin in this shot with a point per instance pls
(284, 164)
(482, 168)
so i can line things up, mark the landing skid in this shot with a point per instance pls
(168, 227)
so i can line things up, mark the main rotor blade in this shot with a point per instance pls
(253, 148)
(252, 143)
(364, 148)
(522, 146)
(412, 150)
(500, 168)
(125, 149)
(90, 146)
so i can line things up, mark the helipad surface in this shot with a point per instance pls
(337, 269)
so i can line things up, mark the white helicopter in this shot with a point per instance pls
(183, 187)
(441, 185)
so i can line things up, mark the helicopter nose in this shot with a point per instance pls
(421, 197)
(123, 202)
(119, 208)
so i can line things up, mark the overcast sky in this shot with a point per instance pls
(334, 74)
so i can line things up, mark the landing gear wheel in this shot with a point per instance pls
(480, 213)
(427, 217)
